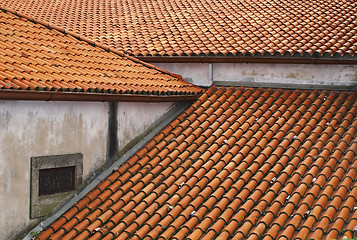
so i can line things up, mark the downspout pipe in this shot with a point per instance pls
(210, 72)
(112, 141)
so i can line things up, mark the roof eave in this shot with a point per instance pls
(246, 59)
(91, 97)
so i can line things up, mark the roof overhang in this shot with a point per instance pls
(229, 59)
(91, 97)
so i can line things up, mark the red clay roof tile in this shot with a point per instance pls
(206, 28)
(300, 182)
(35, 58)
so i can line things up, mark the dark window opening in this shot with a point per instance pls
(56, 180)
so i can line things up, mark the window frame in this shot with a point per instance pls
(42, 205)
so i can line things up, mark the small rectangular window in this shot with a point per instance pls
(57, 180)
(54, 179)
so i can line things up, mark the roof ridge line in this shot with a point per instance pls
(91, 42)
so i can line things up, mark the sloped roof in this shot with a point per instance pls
(36, 58)
(238, 163)
(279, 28)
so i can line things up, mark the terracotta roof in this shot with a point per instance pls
(206, 27)
(238, 163)
(35, 58)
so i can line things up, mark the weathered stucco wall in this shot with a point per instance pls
(33, 128)
(266, 75)
(135, 119)
(196, 73)
(36, 128)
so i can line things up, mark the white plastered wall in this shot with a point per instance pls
(34, 128)
(265, 74)
(136, 118)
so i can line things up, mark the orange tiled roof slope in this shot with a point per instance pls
(237, 164)
(34, 57)
(206, 27)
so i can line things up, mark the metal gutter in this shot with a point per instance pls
(351, 87)
(95, 97)
(246, 59)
